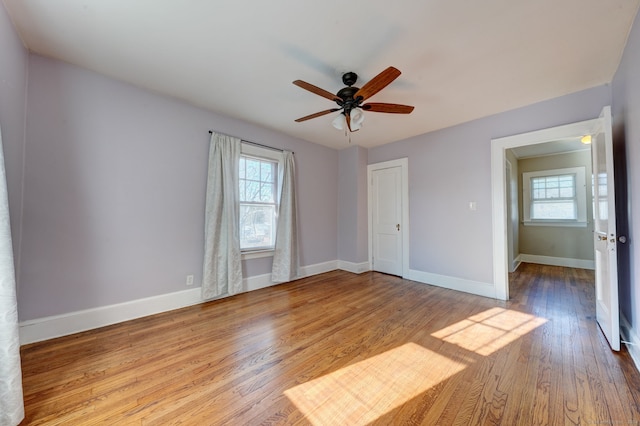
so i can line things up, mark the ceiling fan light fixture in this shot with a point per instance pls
(357, 118)
(339, 122)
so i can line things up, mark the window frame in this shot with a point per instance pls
(580, 197)
(257, 152)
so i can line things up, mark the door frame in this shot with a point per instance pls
(403, 163)
(499, 188)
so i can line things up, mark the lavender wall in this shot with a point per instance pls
(13, 89)
(626, 140)
(352, 205)
(451, 167)
(114, 191)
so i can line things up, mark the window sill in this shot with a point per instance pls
(554, 223)
(256, 254)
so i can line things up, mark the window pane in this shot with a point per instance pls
(566, 192)
(241, 168)
(253, 169)
(266, 173)
(242, 190)
(553, 187)
(257, 226)
(252, 191)
(266, 193)
(552, 182)
(561, 209)
(553, 193)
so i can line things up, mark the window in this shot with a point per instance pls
(259, 195)
(555, 197)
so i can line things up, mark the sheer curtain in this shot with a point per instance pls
(222, 272)
(11, 406)
(285, 258)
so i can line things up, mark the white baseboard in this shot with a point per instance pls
(318, 268)
(631, 336)
(515, 264)
(453, 283)
(356, 268)
(46, 328)
(40, 329)
(557, 261)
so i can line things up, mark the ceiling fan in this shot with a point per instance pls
(350, 99)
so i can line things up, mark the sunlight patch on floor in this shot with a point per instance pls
(362, 392)
(490, 330)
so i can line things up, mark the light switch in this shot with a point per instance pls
(472, 206)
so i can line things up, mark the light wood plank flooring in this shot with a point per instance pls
(341, 349)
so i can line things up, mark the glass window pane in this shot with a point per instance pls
(257, 226)
(566, 192)
(253, 169)
(561, 209)
(266, 193)
(241, 169)
(242, 190)
(252, 191)
(266, 172)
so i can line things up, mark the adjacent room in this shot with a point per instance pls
(342, 213)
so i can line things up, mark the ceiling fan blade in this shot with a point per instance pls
(315, 89)
(317, 114)
(377, 83)
(390, 108)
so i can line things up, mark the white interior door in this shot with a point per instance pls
(604, 231)
(386, 217)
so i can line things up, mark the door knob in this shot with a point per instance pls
(622, 239)
(398, 227)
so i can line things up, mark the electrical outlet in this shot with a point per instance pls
(189, 280)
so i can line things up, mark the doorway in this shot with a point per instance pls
(499, 189)
(605, 236)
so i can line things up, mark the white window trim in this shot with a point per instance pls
(269, 154)
(581, 198)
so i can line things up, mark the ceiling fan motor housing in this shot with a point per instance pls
(348, 102)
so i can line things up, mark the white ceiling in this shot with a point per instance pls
(460, 59)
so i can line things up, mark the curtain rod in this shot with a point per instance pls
(259, 144)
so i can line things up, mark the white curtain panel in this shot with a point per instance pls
(11, 405)
(285, 258)
(222, 272)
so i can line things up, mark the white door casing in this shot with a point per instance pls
(604, 231)
(509, 214)
(388, 217)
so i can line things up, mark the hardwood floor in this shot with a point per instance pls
(343, 349)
